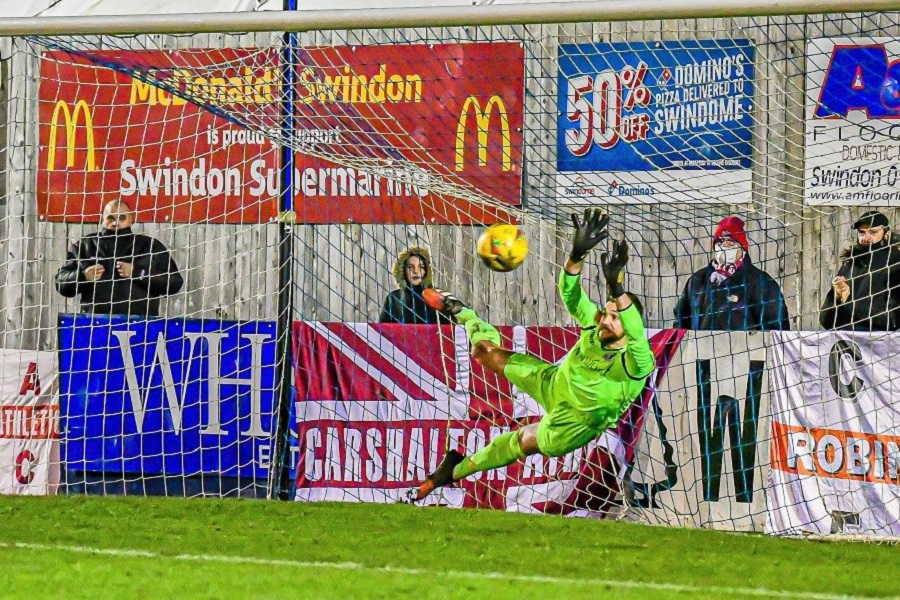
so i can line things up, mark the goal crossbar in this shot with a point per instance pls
(438, 16)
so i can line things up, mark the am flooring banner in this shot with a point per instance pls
(853, 121)
(29, 422)
(377, 405)
(651, 122)
(167, 396)
(835, 434)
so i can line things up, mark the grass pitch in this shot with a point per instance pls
(76, 547)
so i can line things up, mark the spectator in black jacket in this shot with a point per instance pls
(865, 293)
(730, 293)
(406, 305)
(117, 271)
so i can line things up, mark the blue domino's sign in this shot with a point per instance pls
(643, 106)
(167, 396)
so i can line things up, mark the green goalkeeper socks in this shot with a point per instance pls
(476, 329)
(504, 450)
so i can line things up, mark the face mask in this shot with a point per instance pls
(726, 256)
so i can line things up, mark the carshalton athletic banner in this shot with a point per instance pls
(377, 405)
(29, 422)
(410, 113)
(835, 434)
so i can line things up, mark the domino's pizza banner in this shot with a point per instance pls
(853, 122)
(377, 405)
(167, 396)
(655, 122)
(29, 422)
(835, 434)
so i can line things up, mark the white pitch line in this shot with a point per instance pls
(351, 566)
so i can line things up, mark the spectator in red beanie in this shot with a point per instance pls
(730, 293)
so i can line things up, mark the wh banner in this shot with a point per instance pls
(835, 434)
(377, 405)
(703, 457)
(29, 422)
(649, 122)
(167, 396)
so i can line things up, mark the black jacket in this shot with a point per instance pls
(154, 273)
(408, 306)
(874, 303)
(749, 300)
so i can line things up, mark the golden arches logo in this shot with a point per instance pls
(71, 120)
(483, 121)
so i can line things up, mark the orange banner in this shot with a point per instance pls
(835, 453)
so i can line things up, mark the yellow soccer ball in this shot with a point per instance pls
(502, 247)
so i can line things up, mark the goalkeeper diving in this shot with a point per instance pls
(584, 395)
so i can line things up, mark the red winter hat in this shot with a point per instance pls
(732, 227)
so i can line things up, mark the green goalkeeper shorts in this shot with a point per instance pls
(562, 429)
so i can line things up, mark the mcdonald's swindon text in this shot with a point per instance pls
(449, 111)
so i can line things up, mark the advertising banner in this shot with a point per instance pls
(415, 115)
(105, 135)
(29, 422)
(451, 112)
(703, 457)
(835, 434)
(378, 404)
(650, 122)
(167, 396)
(853, 122)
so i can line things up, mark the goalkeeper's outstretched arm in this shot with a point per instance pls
(589, 231)
(639, 358)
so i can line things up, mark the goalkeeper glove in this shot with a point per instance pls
(588, 233)
(614, 268)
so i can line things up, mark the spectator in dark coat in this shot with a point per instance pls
(117, 271)
(731, 294)
(865, 293)
(406, 305)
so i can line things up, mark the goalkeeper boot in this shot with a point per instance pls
(442, 476)
(443, 302)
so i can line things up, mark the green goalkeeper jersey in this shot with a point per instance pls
(595, 377)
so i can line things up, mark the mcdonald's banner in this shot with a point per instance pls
(377, 404)
(835, 434)
(448, 112)
(702, 459)
(29, 422)
(105, 135)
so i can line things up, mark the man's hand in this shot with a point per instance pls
(125, 269)
(94, 272)
(841, 288)
(614, 268)
(589, 232)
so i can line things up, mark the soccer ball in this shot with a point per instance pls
(502, 247)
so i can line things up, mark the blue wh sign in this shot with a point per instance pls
(167, 396)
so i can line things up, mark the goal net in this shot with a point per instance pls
(296, 192)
